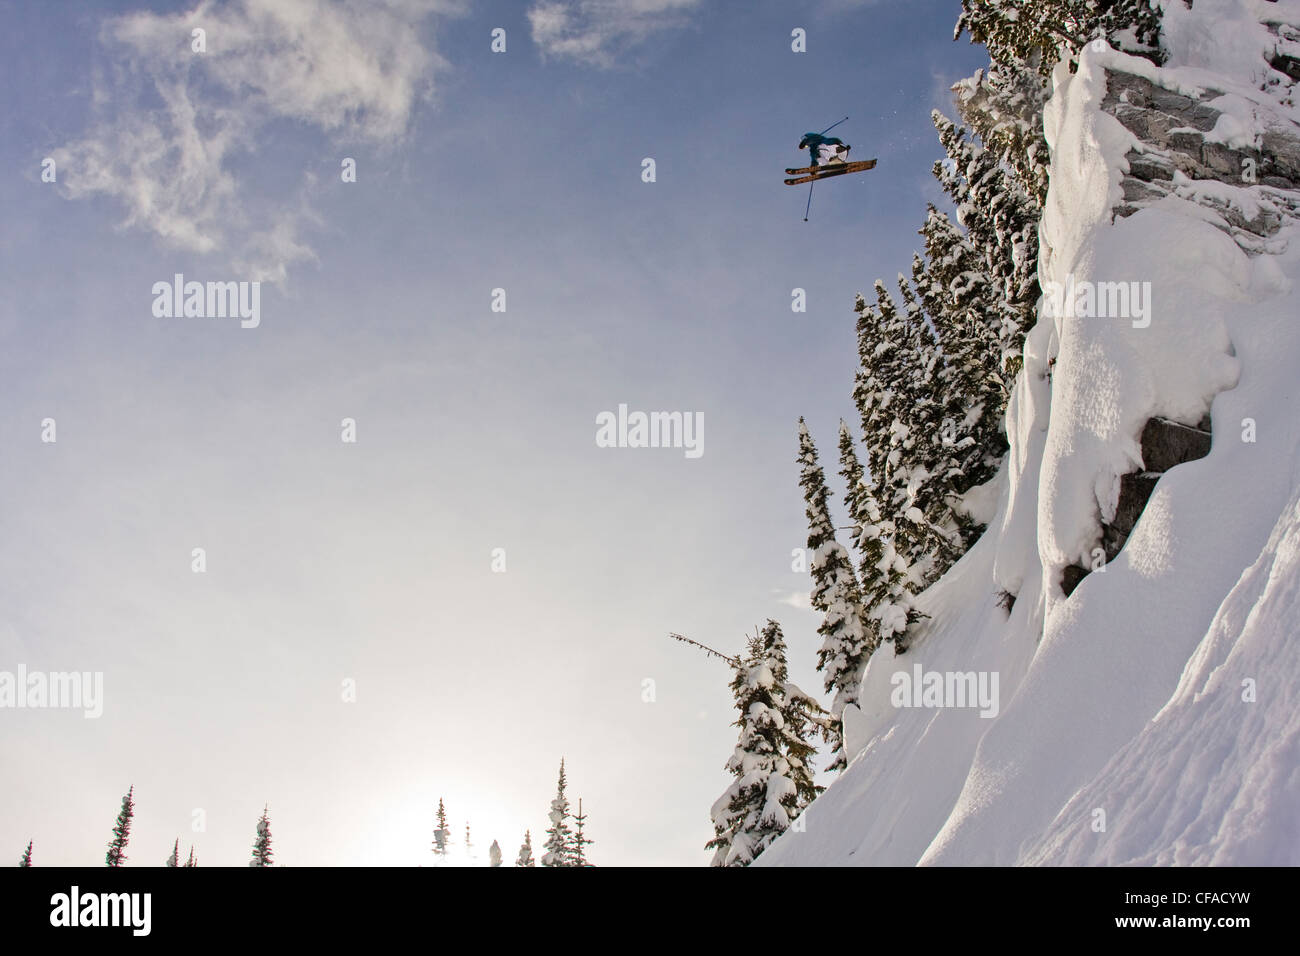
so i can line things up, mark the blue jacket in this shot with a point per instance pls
(813, 140)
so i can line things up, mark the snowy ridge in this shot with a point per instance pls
(1126, 697)
(1242, 757)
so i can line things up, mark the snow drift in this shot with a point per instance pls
(1148, 717)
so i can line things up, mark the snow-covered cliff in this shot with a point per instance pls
(1145, 683)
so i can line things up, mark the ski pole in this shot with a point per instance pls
(809, 206)
(831, 127)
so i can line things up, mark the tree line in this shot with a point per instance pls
(566, 838)
(116, 855)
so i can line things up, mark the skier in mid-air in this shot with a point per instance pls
(825, 149)
(830, 159)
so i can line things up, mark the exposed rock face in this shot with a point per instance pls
(1178, 147)
(1071, 576)
(1165, 444)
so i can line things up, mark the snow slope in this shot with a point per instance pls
(1126, 697)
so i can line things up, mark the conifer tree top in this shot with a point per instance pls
(116, 855)
(559, 837)
(262, 855)
(525, 857)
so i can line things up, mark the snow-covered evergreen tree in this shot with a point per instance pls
(885, 369)
(882, 574)
(847, 641)
(116, 855)
(1013, 29)
(494, 854)
(773, 781)
(900, 367)
(978, 286)
(967, 443)
(469, 844)
(887, 581)
(899, 364)
(860, 501)
(193, 860)
(1003, 104)
(525, 857)
(1001, 223)
(580, 842)
(801, 717)
(262, 845)
(174, 859)
(921, 501)
(27, 855)
(559, 838)
(935, 374)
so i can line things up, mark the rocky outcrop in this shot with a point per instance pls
(1165, 444)
(1250, 184)
(1285, 57)
(1178, 147)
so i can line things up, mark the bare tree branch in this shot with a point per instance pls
(733, 661)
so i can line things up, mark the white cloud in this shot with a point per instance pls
(168, 120)
(595, 31)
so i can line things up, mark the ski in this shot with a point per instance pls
(820, 176)
(848, 167)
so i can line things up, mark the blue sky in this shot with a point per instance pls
(371, 561)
